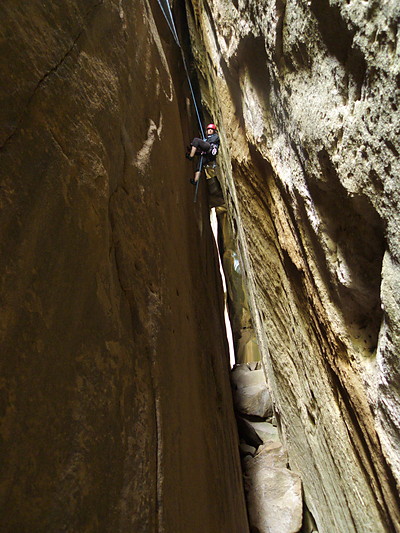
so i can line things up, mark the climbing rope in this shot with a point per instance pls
(198, 181)
(166, 9)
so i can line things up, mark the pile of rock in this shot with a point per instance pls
(273, 492)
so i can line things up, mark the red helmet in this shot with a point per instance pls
(211, 127)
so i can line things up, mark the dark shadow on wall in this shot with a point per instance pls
(280, 8)
(354, 231)
(254, 48)
(338, 38)
(357, 232)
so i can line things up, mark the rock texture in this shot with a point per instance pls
(306, 97)
(246, 346)
(250, 392)
(273, 492)
(115, 400)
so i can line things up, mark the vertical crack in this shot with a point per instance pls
(53, 70)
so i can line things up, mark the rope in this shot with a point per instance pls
(198, 181)
(166, 9)
(193, 98)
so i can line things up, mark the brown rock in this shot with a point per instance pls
(110, 322)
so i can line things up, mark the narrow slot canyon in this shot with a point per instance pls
(124, 405)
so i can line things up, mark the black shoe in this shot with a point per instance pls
(188, 156)
(192, 181)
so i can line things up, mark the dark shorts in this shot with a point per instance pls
(202, 146)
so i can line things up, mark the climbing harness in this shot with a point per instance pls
(166, 9)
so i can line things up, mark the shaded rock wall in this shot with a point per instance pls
(306, 98)
(115, 402)
(245, 340)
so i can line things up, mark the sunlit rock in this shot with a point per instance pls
(306, 96)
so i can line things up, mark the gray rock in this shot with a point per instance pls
(251, 395)
(246, 449)
(247, 432)
(265, 431)
(273, 454)
(273, 492)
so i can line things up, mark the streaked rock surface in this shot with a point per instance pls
(111, 308)
(306, 97)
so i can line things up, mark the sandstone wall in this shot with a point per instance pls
(306, 98)
(115, 403)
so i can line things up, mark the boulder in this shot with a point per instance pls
(247, 432)
(273, 492)
(251, 395)
(246, 449)
(273, 454)
(265, 431)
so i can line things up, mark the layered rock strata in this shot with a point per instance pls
(115, 400)
(306, 97)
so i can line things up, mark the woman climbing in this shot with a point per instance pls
(208, 148)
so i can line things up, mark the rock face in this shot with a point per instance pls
(246, 346)
(306, 97)
(115, 400)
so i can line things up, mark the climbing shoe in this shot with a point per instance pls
(192, 181)
(188, 156)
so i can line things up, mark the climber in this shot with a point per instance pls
(208, 148)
